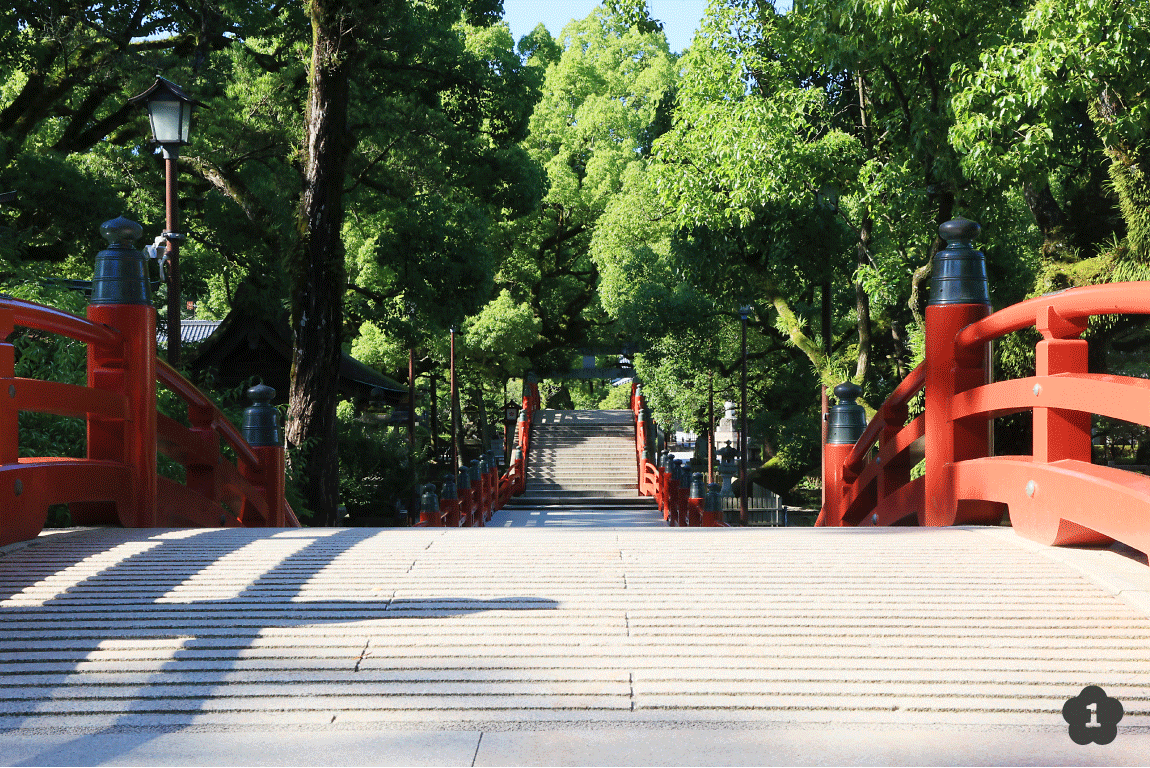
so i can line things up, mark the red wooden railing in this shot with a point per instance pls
(251, 490)
(1054, 495)
(514, 481)
(671, 490)
(117, 481)
(473, 505)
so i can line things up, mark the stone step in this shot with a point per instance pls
(588, 444)
(571, 619)
(577, 472)
(588, 459)
(581, 490)
(577, 496)
(599, 454)
(580, 456)
(633, 500)
(537, 480)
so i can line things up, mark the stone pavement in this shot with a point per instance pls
(565, 646)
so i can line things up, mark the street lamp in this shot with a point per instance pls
(170, 115)
(711, 428)
(744, 313)
(451, 401)
(826, 205)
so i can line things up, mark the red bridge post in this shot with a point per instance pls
(846, 421)
(695, 499)
(712, 507)
(260, 428)
(121, 299)
(9, 416)
(449, 501)
(959, 295)
(463, 488)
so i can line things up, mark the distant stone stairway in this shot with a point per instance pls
(583, 460)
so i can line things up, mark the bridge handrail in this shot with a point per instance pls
(670, 493)
(195, 399)
(109, 485)
(41, 317)
(1072, 306)
(884, 418)
(1055, 495)
(473, 505)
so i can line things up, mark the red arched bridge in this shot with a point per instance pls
(202, 603)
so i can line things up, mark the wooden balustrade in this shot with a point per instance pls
(1054, 495)
(670, 487)
(117, 482)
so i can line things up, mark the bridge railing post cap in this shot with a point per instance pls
(121, 232)
(449, 486)
(959, 231)
(846, 420)
(120, 274)
(698, 487)
(261, 422)
(261, 394)
(847, 391)
(958, 272)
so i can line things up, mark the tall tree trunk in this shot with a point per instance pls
(316, 265)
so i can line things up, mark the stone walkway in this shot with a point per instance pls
(559, 646)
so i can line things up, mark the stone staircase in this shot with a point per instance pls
(583, 459)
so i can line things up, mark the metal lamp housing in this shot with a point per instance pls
(169, 112)
(170, 119)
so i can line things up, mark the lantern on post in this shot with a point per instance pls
(170, 116)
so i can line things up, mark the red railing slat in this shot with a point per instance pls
(73, 400)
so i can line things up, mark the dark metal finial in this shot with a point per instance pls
(848, 391)
(847, 419)
(121, 273)
(958, 273)
(261, 425)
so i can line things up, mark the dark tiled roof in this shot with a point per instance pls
(191, 331)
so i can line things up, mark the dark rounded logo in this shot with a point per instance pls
(1093, 716)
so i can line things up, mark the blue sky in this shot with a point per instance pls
(680, 17)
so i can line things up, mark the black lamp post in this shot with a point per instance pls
(744, 313)
(826, 203)
(413, 510)
(711, 428)
(170, 115)
(451, 401)
(411, 310)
